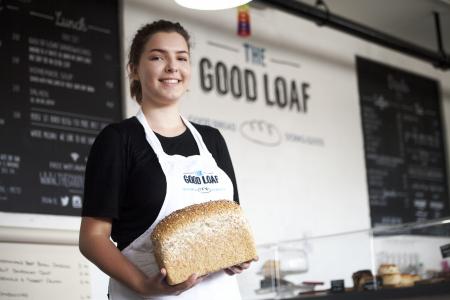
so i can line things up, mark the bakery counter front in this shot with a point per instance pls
(408, 261)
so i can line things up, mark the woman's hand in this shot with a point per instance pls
(157, 286)
(237, 269)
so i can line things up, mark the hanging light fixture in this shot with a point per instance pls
(211, 4)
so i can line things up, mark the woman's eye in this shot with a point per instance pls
(155, 58)
(183, 58)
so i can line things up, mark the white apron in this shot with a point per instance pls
(180, 193)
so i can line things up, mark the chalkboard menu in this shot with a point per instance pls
(404, 145)
(60, 85)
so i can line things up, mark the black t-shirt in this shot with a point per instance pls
(125, 182)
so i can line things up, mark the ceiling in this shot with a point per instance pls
(410, 20)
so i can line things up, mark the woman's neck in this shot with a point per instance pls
(164, 120)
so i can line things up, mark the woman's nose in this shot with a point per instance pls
(171, 66)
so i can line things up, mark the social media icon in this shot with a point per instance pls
(74, 156)
(64, 200)
(76, 201)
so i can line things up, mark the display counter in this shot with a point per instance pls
(407, 261)
(437, 291)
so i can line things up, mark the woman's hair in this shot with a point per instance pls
(137, 47)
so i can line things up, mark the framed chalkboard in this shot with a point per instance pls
(404, 145)
(61, 87)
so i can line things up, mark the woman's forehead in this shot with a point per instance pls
(168, 41)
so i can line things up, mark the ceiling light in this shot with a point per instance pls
(211, 4)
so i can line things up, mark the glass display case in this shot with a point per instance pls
(395, 257)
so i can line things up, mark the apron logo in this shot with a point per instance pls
(199, 177)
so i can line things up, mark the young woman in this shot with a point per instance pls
(134, 174)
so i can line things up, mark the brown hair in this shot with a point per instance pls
(137, 47)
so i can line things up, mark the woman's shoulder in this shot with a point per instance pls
(129, 126)
(125, 125)
(119, 133)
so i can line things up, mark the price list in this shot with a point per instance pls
(404, 145)
(60, 88)
(34, 271)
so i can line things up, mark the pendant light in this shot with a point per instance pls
(211, 4)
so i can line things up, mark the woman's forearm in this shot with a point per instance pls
(96, 246)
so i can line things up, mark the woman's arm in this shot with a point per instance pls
(95, 245)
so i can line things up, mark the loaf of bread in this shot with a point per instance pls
(361, 278)
(201, 239)
(390, 274)
(391, 279)
(388, 269)
(408, 280)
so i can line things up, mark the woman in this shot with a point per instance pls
(134, 174)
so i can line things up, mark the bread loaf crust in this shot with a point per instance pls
(201, 239)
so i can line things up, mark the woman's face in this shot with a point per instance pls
(164, 68)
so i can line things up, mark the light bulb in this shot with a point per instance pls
(211, 4)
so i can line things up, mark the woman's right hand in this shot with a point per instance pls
(157, 286)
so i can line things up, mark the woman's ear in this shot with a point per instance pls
(132, 71)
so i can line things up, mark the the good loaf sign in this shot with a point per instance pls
(242, 83)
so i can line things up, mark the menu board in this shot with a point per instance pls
(403, 143)
(32, 271)
(60, 85)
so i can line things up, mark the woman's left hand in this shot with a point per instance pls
(237, 269)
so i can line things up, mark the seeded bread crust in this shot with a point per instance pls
(201, 239)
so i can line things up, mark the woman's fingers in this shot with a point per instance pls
(233, 270)
(237, 269)
(184, 286)
(228, 271)
(244, 266)
(162, 275)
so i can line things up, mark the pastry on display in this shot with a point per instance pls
(390, 274)
(392, 277)
(386, 269)
(408, 280)
(202, 238)
(363, 280)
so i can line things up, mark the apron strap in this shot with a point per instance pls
(156, 144)
(198, 138)
(152, 139)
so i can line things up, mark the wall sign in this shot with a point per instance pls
(60, 88)
(404, 146)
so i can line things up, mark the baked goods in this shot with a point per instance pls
(385, 269)
(408, 280)
(391, 279)
(202, 238)
(361, 279)
(390, 274)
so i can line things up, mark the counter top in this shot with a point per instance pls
(435, 291)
